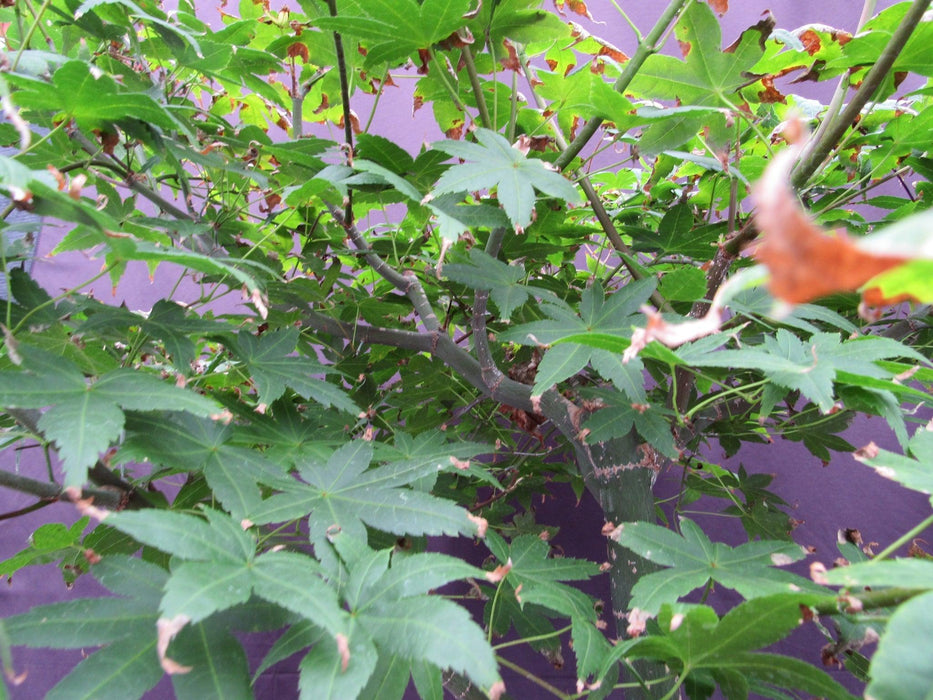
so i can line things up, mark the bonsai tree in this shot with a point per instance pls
(607, 261)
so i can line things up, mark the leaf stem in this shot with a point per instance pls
(32, 30)
(540, 682)
(536, 638)
(821, 147)
(904, 539)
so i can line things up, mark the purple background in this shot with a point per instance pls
(843, 494)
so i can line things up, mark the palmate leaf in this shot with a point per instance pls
(494, 163)
(342, 494)
(167, 321)
(502, 281)
(128, 666)
(812, 366)
(613, 316)
(92, 99)
(85, 418)
(708, 76)
(539, 576)
(273, 366)
(694, 560)
(395, 29)
(217, 569)
(395, 618)
(619, 415)
(693, 640)
(190, 444)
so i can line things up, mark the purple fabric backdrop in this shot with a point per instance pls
(843, 494)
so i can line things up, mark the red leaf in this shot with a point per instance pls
(804, 260)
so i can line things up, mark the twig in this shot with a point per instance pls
(649, 46)
(406, 283)
(477, 89)
(99, 473)
(46, 490)
(830, 137)
(345, 97)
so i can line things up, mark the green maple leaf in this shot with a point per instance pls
(396, 29)
(614, 316)
(124, 626)
(167, 321)
(694, 561)
(85, 417)
(537, 576)
(189, 444)
(92, 100)
(344, 493)
(494, 163)
(707, 77)
(273, 366)
(397, 628)
(693, 641)
(620, 414)
(812, 366)
(531, 594)
(395, 612)
(504, 282)
(522, 21)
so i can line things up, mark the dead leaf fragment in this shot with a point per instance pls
(818, 573)
(637, 619)
(166, 630)
(806, 262)
(500, 572)
(720, 7)
(481, 524)
(461, 464)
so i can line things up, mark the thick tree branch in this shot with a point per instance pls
(47, 490)
(120, 490)
(407, 283)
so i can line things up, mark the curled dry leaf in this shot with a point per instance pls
(672, 334)
(500, 572)
(720, 7)
(166, 630)
(460, 463)
(481, 524)
(805, 261)
(818, 573)
(85, 506)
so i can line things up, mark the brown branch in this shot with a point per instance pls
(345, 98)
(407, 283)
(99, 474)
